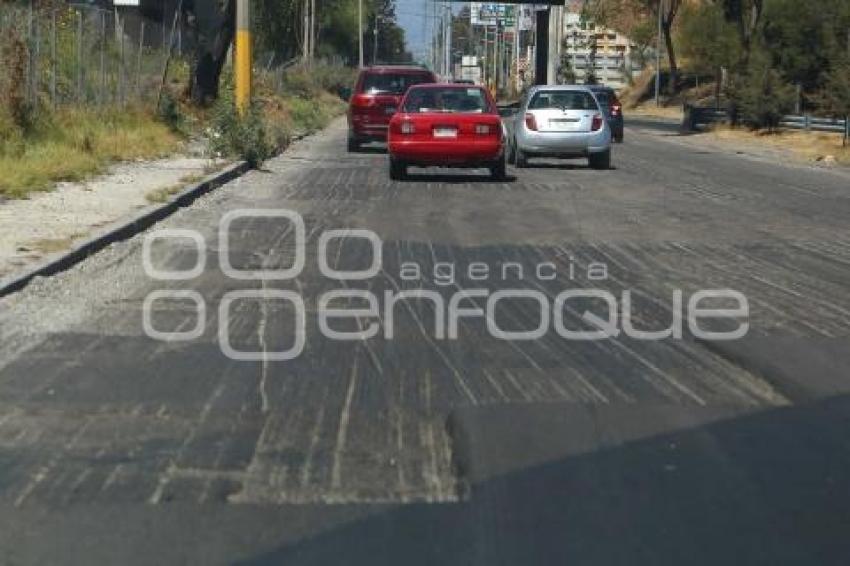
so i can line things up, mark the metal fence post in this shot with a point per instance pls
(101, 94)
(122, 69)
(139, 60)
(79, 55)
(30, 95)
(846, 126)
(53, 66)
(36, 75)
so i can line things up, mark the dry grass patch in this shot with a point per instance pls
(74, 144)
(53, 245)
(165, 193)
(811, 146)
(650, 110)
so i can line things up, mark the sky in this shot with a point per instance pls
(412, 16)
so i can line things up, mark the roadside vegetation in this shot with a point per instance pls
(40, 147)
(63, 120)
(295, 103)
(758, 59)
(71, 144)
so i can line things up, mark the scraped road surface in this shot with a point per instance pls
(119, 448)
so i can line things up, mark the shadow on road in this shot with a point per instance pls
(623, 485)
(455, 178)
(371, 150)
(564, 166)
(668, 127)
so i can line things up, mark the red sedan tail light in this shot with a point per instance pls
(531, 122)
(407, 128)
(597, 123)
(483, 129)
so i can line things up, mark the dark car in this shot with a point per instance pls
(613, 109)
(376, 97)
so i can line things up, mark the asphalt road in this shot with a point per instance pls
(119, 448)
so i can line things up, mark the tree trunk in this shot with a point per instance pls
(718, 87)
(213, 24)
(747, 25)
(673, 83)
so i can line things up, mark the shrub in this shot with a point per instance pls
(170, 114)
(762, 96)
(11, 135)
(239, 135)
(836, 95)
(299, 82)
(13, 59)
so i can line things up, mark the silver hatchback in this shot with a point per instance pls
(561, 122)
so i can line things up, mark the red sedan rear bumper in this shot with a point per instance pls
(446, 153)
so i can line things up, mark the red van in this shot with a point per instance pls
(376, 97)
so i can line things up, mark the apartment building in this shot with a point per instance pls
(613, 63)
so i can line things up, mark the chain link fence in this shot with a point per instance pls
(87, 55)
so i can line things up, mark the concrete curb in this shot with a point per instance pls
(123, 229)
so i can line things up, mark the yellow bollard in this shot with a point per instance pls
(242, 67)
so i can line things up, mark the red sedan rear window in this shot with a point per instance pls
(446, 100)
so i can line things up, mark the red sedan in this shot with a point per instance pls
(446, 125)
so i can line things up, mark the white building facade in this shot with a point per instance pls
(608, 52)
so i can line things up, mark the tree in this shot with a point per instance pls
(391, 47)
(212, 25)
(762, 95)
(641, 16)
(590, 77)
(566, 74)
(669, 11)
(708, 42)
(746, 15)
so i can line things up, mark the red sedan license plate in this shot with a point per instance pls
(445, 132)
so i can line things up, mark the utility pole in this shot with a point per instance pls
(360, 28)
(658, 55)
(375, 45)
(517, 30)
(448, 43)
(242, 70)
(498, 53)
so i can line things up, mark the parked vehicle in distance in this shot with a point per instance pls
(607, 98)
(447, 125)
(377, 94)
(561, 122)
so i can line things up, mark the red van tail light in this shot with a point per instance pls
(361, 101)
(597, 123)
(531, 122)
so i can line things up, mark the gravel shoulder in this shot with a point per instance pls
(47, 224)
